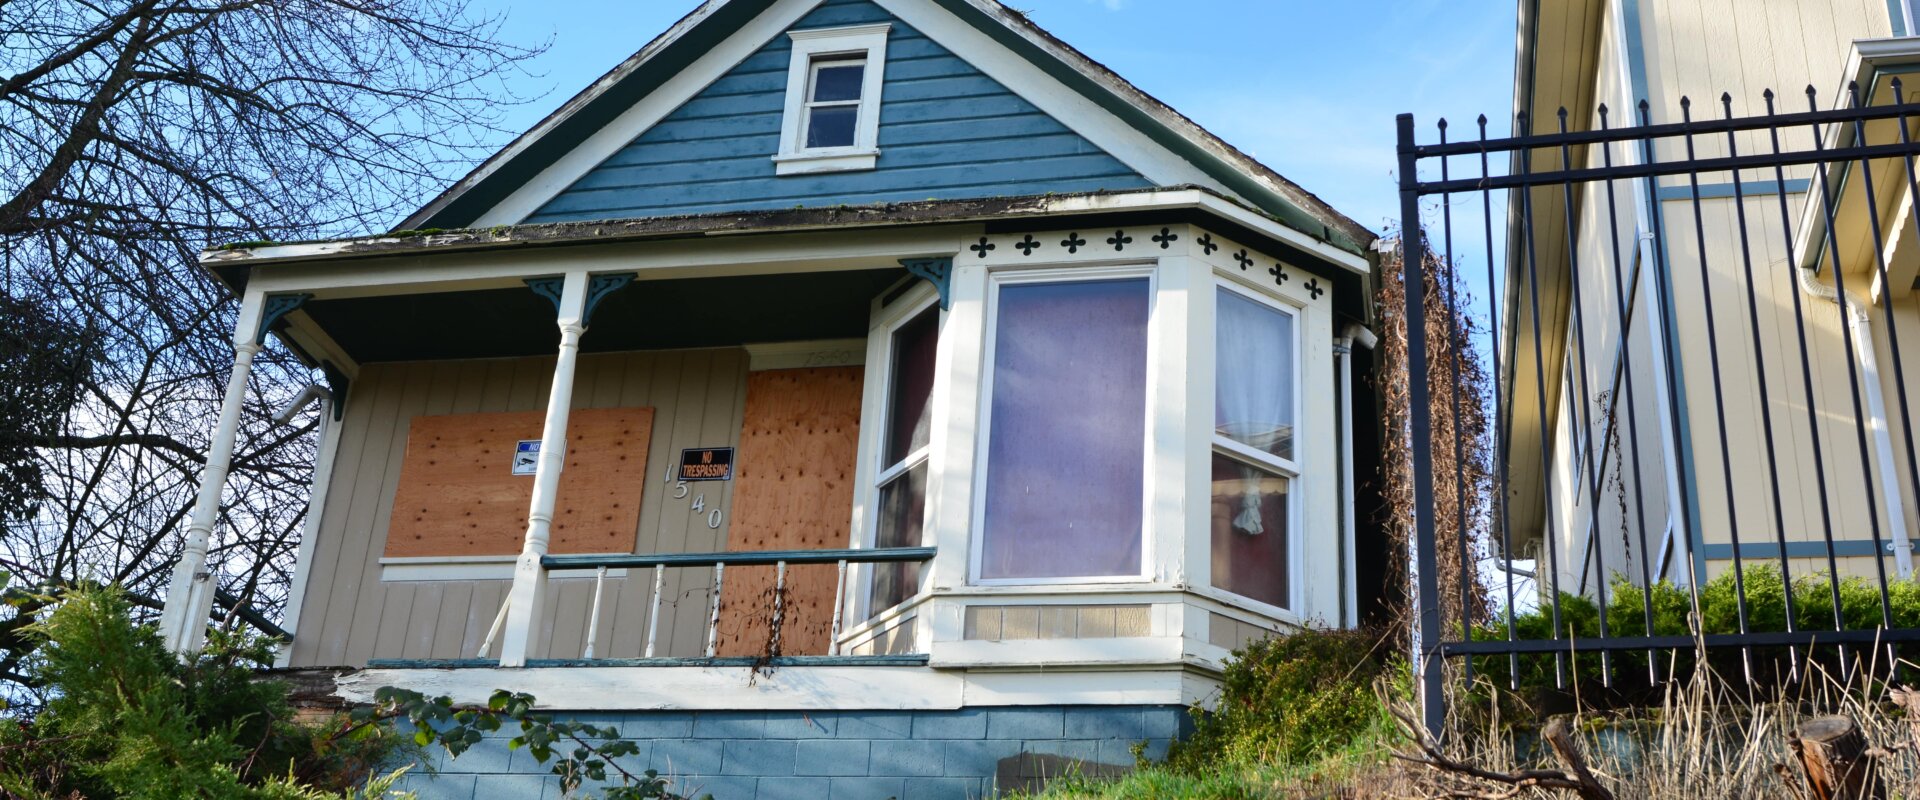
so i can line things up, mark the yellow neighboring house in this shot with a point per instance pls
(1783, 419)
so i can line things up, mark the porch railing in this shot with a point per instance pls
(718, 562)
(1607, 182)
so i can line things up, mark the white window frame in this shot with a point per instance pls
(811, 47)
(891, 319)
(1288, 468)
(977, 527)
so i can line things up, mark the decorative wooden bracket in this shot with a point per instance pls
(600, 286)
(273, 308)
(548, 288)
(937, 271)
(337, 385)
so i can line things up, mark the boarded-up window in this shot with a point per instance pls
(459, 495)
(794, 492)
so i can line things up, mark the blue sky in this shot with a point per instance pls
(1310, 88)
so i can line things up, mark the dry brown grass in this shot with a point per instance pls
(1706, 739)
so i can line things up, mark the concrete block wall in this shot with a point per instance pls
(826, 755)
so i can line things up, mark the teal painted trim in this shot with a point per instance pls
(1676, 383)
(1723, 190)
(600, 286)
(937, 271)
(1848, 548)
(549, 288)
(273, 308)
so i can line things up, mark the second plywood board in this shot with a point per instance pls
(794, 492)
(459, 496)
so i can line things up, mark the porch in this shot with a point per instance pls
(726, 447)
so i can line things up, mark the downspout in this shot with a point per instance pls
(1354, 333)
(1863, 351)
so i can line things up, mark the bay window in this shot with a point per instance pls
(1253, 462)
(1066, 391)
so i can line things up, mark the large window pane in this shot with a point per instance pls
(1253, 383)
(1066, 448)
(903, 513)
(1249, 531)
(910, 401)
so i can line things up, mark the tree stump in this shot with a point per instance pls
(1834, 754)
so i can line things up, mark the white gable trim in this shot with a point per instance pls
(1076, 111)
(1071, 108)
(646, 113)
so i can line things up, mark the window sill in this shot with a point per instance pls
(834, 161)
(466, 568)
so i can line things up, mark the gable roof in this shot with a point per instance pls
(715, 21)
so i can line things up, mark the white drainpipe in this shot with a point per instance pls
(1349, 578)
(1863, 350)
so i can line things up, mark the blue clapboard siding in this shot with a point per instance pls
(947, 131)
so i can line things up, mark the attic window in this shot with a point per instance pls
(832, 120)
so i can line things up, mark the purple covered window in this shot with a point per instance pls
(1066, 445)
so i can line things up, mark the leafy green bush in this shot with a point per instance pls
(1766, 609)
(125, 718)
(1290, 700)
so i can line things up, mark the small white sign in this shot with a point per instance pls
(526, 457)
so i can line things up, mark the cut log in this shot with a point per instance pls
(1559, 734)
(1834, 754)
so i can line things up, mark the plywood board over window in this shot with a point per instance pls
(795, 492)
(458, 495)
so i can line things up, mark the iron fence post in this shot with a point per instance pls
(1412, 262)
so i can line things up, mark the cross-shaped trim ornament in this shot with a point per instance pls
(1166, 237)
(981, 248)
(1119, 240)
(1073, 242)
(1027, 245)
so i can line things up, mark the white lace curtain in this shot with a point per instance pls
(1254, 389)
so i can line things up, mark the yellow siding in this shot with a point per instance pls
(351, 615)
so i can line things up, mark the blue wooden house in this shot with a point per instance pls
(845, 398)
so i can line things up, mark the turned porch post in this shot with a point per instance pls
(526, 601)
(189, 602)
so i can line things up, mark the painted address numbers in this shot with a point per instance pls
(681, 490)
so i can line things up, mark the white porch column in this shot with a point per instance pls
(189, 602)
(526, 601)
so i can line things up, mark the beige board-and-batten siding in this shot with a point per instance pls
(351, 615)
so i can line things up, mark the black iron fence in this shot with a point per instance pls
(1696, 331)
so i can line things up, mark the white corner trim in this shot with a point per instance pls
(467, 568)
(310, 528)
(802, 355)
(646, 113)
(869, 42)
(1073, 109)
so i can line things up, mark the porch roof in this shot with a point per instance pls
(233, 262)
